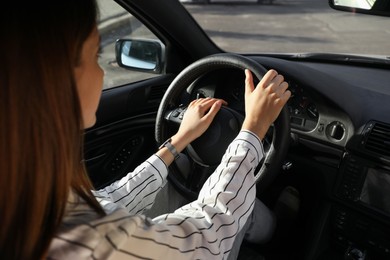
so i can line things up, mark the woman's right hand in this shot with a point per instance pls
(198, 117)
(264, 103)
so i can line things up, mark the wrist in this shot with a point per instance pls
(259, 129)
(180, 142)
(171, 148)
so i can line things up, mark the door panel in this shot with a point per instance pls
(123, 136)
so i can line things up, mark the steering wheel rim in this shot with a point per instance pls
(273, 160)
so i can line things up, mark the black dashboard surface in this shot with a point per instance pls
(333, 109)
(330, 102)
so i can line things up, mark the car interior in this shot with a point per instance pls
(330, 146)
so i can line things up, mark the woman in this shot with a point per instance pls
(51, 84)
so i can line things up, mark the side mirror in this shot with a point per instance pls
(373, 7)
(140, 55)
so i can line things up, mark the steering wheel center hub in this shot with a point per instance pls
(209, 148)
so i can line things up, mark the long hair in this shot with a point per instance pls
(40, 121)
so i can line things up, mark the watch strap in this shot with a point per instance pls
(170, 147)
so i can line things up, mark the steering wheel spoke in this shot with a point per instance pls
(175, 115)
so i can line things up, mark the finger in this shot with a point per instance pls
(206, 102)
(202, 105)
(199, 101)
(249, 86)
(213, 111)
(277, 80)
(268, 77)
(275, 83)
(281, 89)
(213, 100)
(285, 97)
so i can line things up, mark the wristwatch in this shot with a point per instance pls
(170, 147)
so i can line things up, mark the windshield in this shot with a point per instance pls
(290, 26)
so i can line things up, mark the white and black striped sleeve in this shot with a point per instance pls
(137, 190)
(203, 229)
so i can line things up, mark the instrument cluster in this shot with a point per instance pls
(303, 110)
(231, 87)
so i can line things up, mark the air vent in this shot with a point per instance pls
(157, 92)
(378, 139)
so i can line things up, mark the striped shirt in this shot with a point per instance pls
(202, 229)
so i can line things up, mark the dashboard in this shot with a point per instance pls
(311, 115)
(334, 109)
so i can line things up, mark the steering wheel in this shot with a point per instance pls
(200, 158)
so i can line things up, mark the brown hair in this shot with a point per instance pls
(40, 121)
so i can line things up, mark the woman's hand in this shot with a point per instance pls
(264, 103)
(197, 118)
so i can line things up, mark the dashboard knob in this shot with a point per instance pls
(336, 130)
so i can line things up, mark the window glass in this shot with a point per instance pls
(116, 23)
(290, 26)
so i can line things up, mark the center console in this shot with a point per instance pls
(361, 218)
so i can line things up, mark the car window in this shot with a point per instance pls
(289, 26)
(116, 23)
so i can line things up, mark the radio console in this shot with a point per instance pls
(364, 187)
